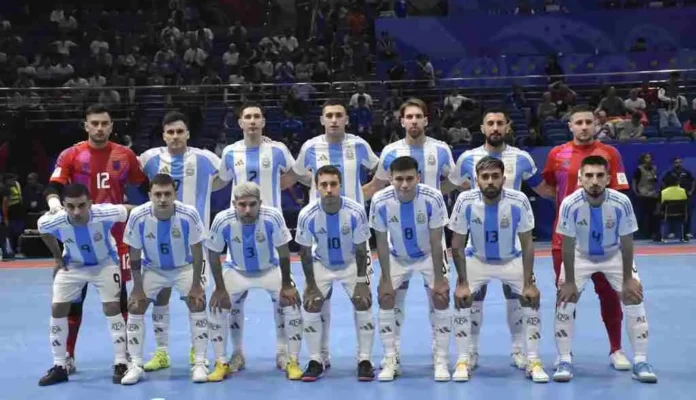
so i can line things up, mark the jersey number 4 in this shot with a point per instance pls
(103, 180)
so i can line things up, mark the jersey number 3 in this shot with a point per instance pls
(103, 180)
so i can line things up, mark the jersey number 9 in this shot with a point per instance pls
(86, 248)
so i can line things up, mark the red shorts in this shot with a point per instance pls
(118, 230)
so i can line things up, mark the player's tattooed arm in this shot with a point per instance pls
(136, 264)
(361, 259)
(458, 243)
(383, 255)
(284, 259)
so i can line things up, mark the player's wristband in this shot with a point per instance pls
(363, 279)
(54, 202)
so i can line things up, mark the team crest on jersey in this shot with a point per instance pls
(505, 222)
(116, 165)
(420, 218)
(345, 229)
(176, 233)
(350, 155)
(260, 237)
(266, 162)
(610, 223)
(431, 160)
(98, 236)
(190, 171)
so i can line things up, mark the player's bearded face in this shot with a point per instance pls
(162, 198)
(582, 125)
(252, 121)
(98, 127)
(405, 184)
(491, 182)
(78, 209)
(247, 209)
(329, 187)
(176, 135)
(334, 119)
(495, 127)
(414, 121)
(594, 179)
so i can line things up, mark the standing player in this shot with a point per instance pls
(562, 171)
(170, 234)
(335, 232)
(597, 226)
(519, 167)
(257, 257)
(498, 223)
(352, 155)
(435, 162)
(408, 219)
(195, 174)
(89, 256)
(268, 164)
(105, 168)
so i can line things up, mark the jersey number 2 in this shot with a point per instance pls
(103, 180)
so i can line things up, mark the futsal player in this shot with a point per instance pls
(408, 218)
(333, 233)
(257, 257)
(105, 168)
(89, 256)
(597, 225)
(195, 174)
(562, 172)
(499, 223)
(268, 164)
(435, 163)
(169, 234)
(519, 167)
(353, 156)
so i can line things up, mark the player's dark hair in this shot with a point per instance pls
(174, 116)
(328, 170)
(581, 108)
(489, 162)
(162, 180)
(75, 190)
(331, 103)
(596, 161)
(403, 164)
(249, 104)
(97, 108)
(413, 102)
(496, 110)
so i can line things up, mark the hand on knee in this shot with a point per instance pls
(196, 306)
(362, 304)
(313, 306)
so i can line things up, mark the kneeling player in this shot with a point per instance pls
(499, 223)
(258, 257)
(413, 215)
(338, 228)
(597, 224)
(89, 256)
(170, 234)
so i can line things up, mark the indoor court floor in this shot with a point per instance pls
(668, 273)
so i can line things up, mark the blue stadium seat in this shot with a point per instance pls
(656, 140)
(651, 131)
(680, 139)
(671, 132)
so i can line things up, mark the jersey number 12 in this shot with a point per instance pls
(103, 180)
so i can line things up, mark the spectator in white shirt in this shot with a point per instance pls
(170, 33)
(96, 80)
(231, 56)
(265, 68)
(670, 103)
(195, 55)
(634, 103)
(63, 46)
(97, 44)
(57, 14)
(360, 92)
(459, 134)
(455, 100)
(63, 70)
(288, 42)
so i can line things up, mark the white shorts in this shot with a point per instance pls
(155, 279)
(238, 282)
(348, 277)
(402, 271)
(611, 267)
(67, 285)
(479, 273)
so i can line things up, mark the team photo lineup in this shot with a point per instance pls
(369, 236)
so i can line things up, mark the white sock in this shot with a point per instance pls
(476, 319)
(515, 323)
(387, 331)
(136, 337)
(461, 325)
(59, 337)
(443, 329)
(293, 329)
(199, 335)
(532, 332)
(313, 328)
(160, 323)
(326, 326)
(281, 343)
(637, 329)
(119, 337)
(236, 324)
(365, 324)
(217, 326)
(399, 315)
(565, 322)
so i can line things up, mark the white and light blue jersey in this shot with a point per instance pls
(434, 158)
(519, 167)
(193, 172)
(263, 165)
(349, 156)
(166, 244)
(90, 245)
(333, 237)
(408, 224)
(596, 230)
(493, 228)
(250, 247)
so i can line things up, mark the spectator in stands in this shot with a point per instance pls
(553, 69)
(635, 104)
(605, 128)
(673, 192)
(516, 100)
(631, 129)
(355, 98)
(612, 104)
(685, 180)
(64, 46)
(397, 70)
(361, 117)
(32, 195)
(645, 188)
(670, 103)
(231, 56)
(455, 99)
(690, 126)
(546, 110)
(386, 47)
(425, 71)
(458, 134)
(563, 96)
